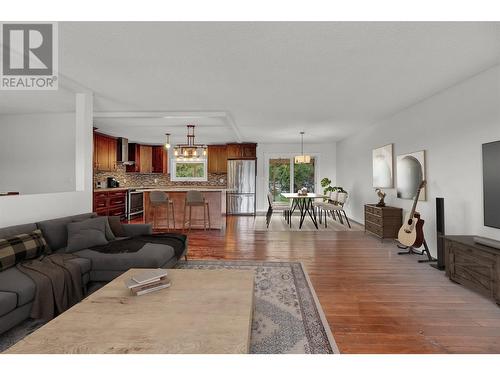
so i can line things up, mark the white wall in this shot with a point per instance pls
(326, 164)
(451, 126)
(37, 153)
(33, 207)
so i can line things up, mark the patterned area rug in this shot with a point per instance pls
(287, 317)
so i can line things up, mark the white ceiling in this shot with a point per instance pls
(270, 79)
(152, 130)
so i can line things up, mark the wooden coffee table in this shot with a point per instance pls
(204, 311)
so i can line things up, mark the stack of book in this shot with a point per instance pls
(148, 281)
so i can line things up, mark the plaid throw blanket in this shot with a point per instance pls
(23, 246)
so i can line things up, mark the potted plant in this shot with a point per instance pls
(326, 184)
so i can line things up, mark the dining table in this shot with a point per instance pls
(304, 202)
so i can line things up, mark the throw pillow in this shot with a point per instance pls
(21, 247)
(86, 233)
(116, 226)
(108, 232)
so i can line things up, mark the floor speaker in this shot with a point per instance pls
(440, 229)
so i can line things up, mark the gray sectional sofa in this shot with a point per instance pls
(17, 290)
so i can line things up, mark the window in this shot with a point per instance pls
(279, 178)
(189, 170)
(303, 176)
(285, 176)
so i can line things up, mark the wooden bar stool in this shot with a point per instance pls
(194, 198)
(158, 200)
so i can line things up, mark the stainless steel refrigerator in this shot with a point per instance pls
(241, 180)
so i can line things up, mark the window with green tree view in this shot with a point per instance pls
(286, 176)
(189, 171)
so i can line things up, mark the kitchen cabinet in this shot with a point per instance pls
(241, 150)
(111, 203)
(146, 163)
(160, 160)
(217, 159)
(105, 149)
(142, 156)
(134, 155)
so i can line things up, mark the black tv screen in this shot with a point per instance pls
(491, 184)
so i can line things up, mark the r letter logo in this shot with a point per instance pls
(29, 56)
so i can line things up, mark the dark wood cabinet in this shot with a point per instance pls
(473, 265)
(383, 222)
(147, 159)
(241, 150)
(146, 163)
(105, 149)
(134, 154)
(110, 203)
(160, 160)
(217, 159)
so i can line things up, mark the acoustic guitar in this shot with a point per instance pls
(412, 231)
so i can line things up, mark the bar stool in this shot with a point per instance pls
(159, 199)
(194, 198)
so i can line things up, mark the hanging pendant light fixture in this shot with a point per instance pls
(190, 150)
(167, 141)
(302, 159)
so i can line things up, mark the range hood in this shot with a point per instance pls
(122, 152)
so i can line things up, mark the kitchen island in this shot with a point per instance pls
(216, 199)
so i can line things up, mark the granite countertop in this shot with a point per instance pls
(111, 189)
(164, 188)
(187, 188)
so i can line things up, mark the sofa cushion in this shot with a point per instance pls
(56, 232)
(86, 233)
(85, 264)
(14, 281)
(20, 247)
(17, 229)
(150, 256)
(8, 302)
(116, 226)
(110, 235)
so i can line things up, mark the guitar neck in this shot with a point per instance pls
(415, 202)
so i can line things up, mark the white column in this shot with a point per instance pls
(83, 144)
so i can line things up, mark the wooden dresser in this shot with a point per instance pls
(383, 222)
(473, 265)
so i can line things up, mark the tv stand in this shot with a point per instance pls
(473, 265)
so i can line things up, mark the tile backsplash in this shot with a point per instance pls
(155, 179)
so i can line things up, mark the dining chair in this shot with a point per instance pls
(335, 208)
(276, 206)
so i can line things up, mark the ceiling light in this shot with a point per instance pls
(302, 159)
(190, 150)
(167, 141)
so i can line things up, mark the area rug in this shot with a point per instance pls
(287, 316)
(279, 224)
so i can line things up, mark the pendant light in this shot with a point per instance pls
(190, 150)
(167, 141)
(302, 159)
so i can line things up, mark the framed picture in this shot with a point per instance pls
(410, 173)
(383, 167)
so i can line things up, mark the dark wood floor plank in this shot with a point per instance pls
(374, 300)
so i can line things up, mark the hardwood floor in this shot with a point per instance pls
(375, 300)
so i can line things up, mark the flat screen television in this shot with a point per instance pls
(491, 184)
